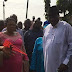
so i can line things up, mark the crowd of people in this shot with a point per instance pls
(47, 45)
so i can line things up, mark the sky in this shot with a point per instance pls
(18, 7)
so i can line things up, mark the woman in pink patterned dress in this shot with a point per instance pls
(13, 62)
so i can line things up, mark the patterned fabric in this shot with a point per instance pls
(17, 30)
(14, 63)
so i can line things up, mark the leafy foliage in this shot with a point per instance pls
(47, 5)
(64, 6)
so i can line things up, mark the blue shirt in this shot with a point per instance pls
(46, 23)
(37, 62)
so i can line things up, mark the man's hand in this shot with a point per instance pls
(62, 68)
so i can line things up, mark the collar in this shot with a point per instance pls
(56, 25)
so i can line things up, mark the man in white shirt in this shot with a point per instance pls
(57, 43)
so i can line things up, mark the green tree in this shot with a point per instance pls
(62, 6)
(70, 7)
(65, 6)
(47, 5)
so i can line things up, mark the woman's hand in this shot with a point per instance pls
(26, 66)
(8, 52)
